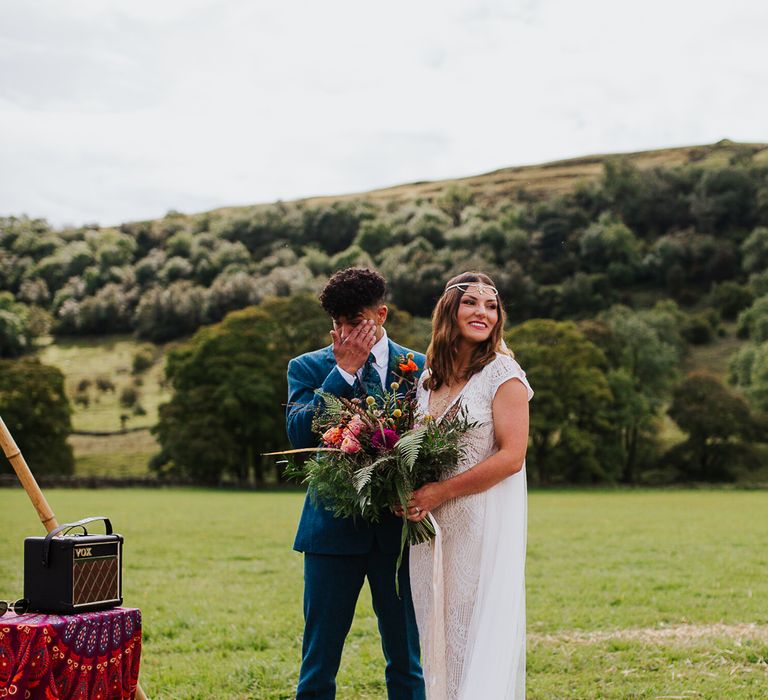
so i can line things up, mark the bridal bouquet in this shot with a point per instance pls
(375, 453)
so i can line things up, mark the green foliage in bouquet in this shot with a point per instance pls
(375, 453)
(390, 463)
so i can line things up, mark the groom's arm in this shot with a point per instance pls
(303, 402)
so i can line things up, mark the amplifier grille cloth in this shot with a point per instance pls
(94, 580)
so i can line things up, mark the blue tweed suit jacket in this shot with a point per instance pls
(319, 531)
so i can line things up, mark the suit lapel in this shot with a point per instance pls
(394, 354)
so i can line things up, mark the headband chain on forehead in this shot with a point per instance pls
(482, 288)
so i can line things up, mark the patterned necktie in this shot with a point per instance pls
(371, 381)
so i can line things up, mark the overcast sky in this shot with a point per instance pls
(114, 111)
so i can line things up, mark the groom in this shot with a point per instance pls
(340, 553)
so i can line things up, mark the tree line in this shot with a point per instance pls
(603, 387)
(691, 233)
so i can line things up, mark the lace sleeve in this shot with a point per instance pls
(501, 370)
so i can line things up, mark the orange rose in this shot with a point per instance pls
(333, 436)
(409, 366)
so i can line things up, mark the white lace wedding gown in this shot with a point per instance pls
(468, 584)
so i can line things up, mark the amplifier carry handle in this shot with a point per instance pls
(66, 528)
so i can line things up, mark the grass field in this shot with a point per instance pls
(631, 594)
(110, 357)
(122, 455)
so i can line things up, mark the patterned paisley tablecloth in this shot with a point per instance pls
(88, 656)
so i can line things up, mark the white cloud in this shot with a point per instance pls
(113, 111)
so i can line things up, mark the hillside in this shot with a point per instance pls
(548, 179)
(568, 240)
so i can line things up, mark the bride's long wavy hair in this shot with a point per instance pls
(444, 345)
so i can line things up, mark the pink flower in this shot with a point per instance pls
(384, 442)
(355, 425)
(350, 444)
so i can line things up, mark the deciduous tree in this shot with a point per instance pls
(570, 414)
(229, 388)
(35, 408)
(718, 440)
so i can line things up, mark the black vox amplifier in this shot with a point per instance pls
(74, 573)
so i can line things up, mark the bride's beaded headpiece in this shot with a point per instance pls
(482, 288)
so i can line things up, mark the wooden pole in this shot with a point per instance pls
(28, 481)
(19, 464)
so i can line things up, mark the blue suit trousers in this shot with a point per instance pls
(332, 585)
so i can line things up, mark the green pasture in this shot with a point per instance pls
(119, 455)
(110, 357)
(631, 594)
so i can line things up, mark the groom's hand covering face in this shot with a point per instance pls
(353, 337)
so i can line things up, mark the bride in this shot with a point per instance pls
(468, 584)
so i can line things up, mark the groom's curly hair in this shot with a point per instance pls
(350, 291)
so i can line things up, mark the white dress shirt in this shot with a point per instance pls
(380, 361)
